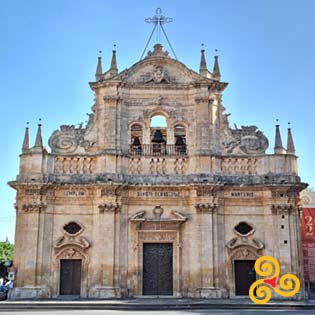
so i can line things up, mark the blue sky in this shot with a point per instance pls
(49, 49)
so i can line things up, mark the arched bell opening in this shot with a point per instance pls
(158, 135)
(180, 140)
(136, 139)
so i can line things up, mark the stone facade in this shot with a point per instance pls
(107, 189)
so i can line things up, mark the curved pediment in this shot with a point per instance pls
(158, 68)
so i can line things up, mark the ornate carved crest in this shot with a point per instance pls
(158, 75)
(247, 140)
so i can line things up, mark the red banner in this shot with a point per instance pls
(308, 243)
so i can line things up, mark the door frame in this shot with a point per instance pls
(159, 237)
(243, 253)
(70, 252)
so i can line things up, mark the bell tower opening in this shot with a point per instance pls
(158, 135)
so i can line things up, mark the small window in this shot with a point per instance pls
(72, 228)
(282, 226)
(243, 228)
(283, 217)
(285, 242)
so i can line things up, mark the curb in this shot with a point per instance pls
(11, 306)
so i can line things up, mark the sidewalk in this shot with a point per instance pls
(150, 304)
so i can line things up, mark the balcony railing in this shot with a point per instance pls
(158, 149)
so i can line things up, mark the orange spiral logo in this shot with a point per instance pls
(260, 292)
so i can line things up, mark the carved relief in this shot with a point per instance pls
(68, 138)
(34, 207)
(70, 241)
(243, 241)
(109, 207)
(247, 140)
(281, 208)
(74, 165)
(158, 75)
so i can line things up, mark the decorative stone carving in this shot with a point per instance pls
(158, 211)
(109, 207)
(242, 241)
(158, 75)
(247, 140)
(208, 207)
(157, 52)
(34, 207)
(139, 216)
(68, 138)
(281, 208)
(71, 241)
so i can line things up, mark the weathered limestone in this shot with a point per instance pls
(103, 192)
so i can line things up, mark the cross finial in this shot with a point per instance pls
(158, 18)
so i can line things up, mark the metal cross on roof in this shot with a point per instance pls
(158, 20)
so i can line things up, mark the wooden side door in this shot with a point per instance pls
(70, 276)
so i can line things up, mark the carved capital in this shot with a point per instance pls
(34, 207)
(281, 208)
(109, 207)
(111, 98)
(200, 99)
(206, 207)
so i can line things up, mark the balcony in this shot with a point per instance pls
(158, 149)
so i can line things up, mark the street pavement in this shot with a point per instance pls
(166, 312)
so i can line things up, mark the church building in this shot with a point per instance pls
(157, 195)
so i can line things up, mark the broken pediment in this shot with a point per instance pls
(157, 215)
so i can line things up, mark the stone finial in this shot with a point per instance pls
(26, 141)
(99, 70)
(39, 140)
(278, 149)
(216, 75)
(290, 143)
(113, 65)
(203, 64)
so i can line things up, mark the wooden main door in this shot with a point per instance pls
(70, 276)
(157, 269)
(245, 275)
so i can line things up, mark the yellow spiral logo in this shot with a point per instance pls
(260, 292)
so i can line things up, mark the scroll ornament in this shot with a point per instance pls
(260, 292)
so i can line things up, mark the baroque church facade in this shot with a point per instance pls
(122, 207)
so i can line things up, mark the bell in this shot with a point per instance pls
(136, 141)
(179, 141)
(158, 137)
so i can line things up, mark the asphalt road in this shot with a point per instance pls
(179, 312)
